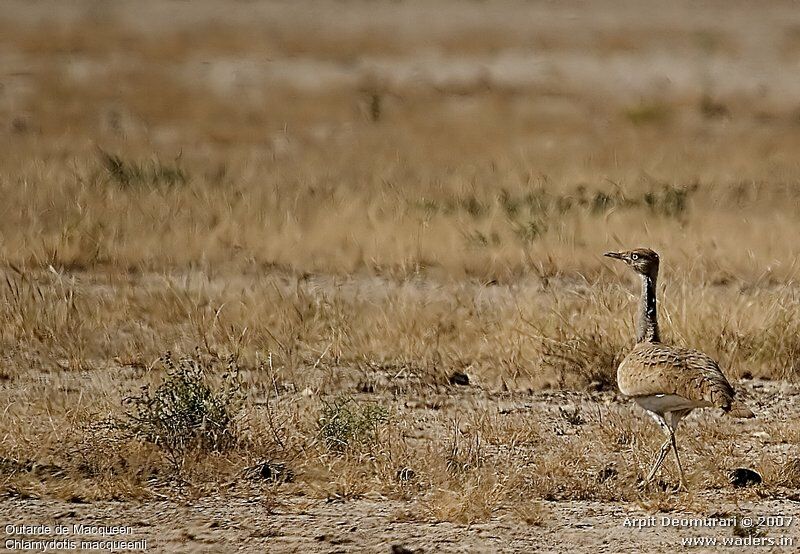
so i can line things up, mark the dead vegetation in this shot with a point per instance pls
(322, 259)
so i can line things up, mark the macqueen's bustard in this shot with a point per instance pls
(668, 381)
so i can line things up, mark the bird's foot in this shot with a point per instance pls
(658, 484)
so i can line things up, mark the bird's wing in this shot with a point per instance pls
(653, 368)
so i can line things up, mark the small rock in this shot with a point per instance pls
(275, 472)
(400, 549)
(744, 477)
(459, 378)
(608, 472)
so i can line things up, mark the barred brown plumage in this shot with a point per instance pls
(668, 381)
(655, 368)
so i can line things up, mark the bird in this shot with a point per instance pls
(668, 381)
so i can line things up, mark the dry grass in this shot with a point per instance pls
(343, 229)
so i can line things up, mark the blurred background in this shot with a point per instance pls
(485, 139)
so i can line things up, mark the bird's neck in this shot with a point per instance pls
(647, 326)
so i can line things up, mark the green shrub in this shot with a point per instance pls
(187, 412)
(345, 424)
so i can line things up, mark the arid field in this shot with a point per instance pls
(327, 276)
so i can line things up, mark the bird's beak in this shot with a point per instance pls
(617, 255)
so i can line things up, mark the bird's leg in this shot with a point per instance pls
(659, 459)
(677, 459)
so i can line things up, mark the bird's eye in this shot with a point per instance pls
(634, 257)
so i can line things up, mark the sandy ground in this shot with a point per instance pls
(219, 524)
(245, 525)
(253, 517)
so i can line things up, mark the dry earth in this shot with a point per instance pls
(250, 515)
(377, 195)
(371, 525)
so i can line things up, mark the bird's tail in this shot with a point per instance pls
(740, 410)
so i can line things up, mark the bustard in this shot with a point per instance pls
(668, 381)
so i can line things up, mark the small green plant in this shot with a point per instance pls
(186, 412)
(670, 201)
(130, 174)
(473, 206)
(375, 106)
(345, 424)
(510, 204)
(477, 239)
(712, 108)
(648, 113)
(529, 231)
(601, 201)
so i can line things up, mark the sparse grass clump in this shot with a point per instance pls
(582, 360)
(345, 424)
(135, 174)
(46, 313)
(187, 412)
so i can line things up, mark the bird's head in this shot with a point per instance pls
(642, 260)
